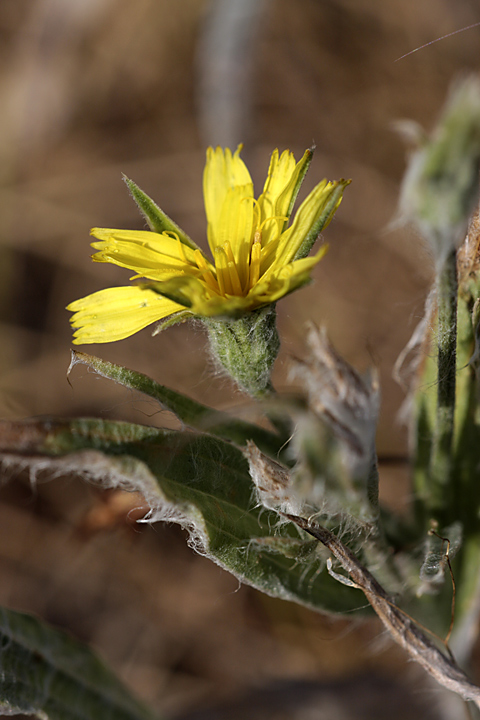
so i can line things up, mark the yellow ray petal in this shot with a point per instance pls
(188, 291)
(143, 261)
(235, 227)
(280, 190)
(223, 171)
(305, 219)
(255, 263)
(166, 245)
(161, 275)
(280, 281)
(201, 300)
(277, 288)
(217, 306)
(132, 256)
(299, 267)
(116, 313)
(223, 276)
(279, 176)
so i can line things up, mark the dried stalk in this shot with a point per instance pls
(402, 629)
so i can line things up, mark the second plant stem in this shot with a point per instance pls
(441, 464)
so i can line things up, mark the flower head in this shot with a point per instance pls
(257, 255)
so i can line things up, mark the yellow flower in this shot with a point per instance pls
(257, 256)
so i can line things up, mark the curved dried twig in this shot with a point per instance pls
(402, 629)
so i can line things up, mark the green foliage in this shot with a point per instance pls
(157, 220)
(199, 481)
(458, 503)
(191, 413)
(47, 673)
(235, 511)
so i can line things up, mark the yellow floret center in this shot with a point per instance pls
(225, 278)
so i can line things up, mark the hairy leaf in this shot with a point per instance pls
(192, 413)
(199, 481)
(47, 673)
(157, 220)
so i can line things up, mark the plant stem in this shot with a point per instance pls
(401, 627)
(441, 462)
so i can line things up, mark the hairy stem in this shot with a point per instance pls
(441, 462)
(399, 625)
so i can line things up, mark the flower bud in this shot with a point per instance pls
(246, 348)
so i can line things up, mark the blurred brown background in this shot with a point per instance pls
(93, 88)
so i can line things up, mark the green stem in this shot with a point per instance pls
(441, 462)
(246, 348)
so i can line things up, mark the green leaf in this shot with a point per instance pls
(461, 499)
(194, 414)
(199, 481)
(157, 220)
(45, 672)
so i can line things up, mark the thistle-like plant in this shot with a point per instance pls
(292, 510)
